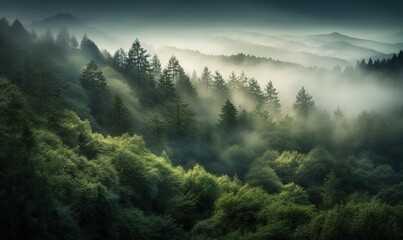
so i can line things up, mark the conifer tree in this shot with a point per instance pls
(272, 99)
(303, 104)
(90, 49)
(228, 117)
(179, 118)
(119, 117)
(255, 92)
(174, 69)
(166, 87)
(138, 66)
(232, 81)
(156, 69)
(119, 60)
(220, 88)
(63, 38)
(73, 42)
(92, 79)
(94, 82)
(206, 79)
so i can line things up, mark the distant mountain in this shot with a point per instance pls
(396, 38)
(75, 27)
(321, 39)
(341, 49)
(323, 50)
(58, 20)
(230, 46)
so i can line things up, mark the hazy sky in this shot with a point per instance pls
(369, 14)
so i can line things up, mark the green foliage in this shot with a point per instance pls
(90, 49)
(92, 79)
(119, 118)
(228, 117)
(71, 168)
(331, 193)
(372, 220)
(303, 104)
(264, 177)
(166, 87)
(255, 91)
(206, 79)
(272, 99)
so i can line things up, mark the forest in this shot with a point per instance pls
(99, 145)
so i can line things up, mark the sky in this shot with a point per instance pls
(369, 14)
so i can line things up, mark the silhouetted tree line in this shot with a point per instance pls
(393, 64)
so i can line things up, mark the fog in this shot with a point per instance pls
(289, 58)
(304, 61)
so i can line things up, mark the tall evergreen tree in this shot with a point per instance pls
(243, 81)
(90, 49)
(166, 87)
(92, 79)
(228, 117)
(156, 69)
(119, 117)
(119, 60)
(206, 79)
(233, 82)
(179, 118)
(138, 66)
(194, 78)
(303, 104)
(73, 42)
(272, 98)
(174, 69)
(63, 38)
(94, 82)
(138, 70)
(255, 92)
(184, 86)
(19, 34)
(220, 88)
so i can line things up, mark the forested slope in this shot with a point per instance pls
(76, 126)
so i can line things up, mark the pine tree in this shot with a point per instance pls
(194, 78)
(184, 86)
(255, 92)
(174, 69)
(94, 82)
(90, 49)
(74, 42)
(139, 73)
(206, 79)
(303, 104)
(260, 113)
(179, 118)
(119, 60)
(156, 69)
(330, 190)
(166, 87)
(92, 79)
(220, 88)
(272, 99)
(229, 116)
(48, 37)
(138, 66)
(18, 33)
(119, 117)
(63, 38)
(233, 82)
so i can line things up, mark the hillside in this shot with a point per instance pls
(116, 146)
